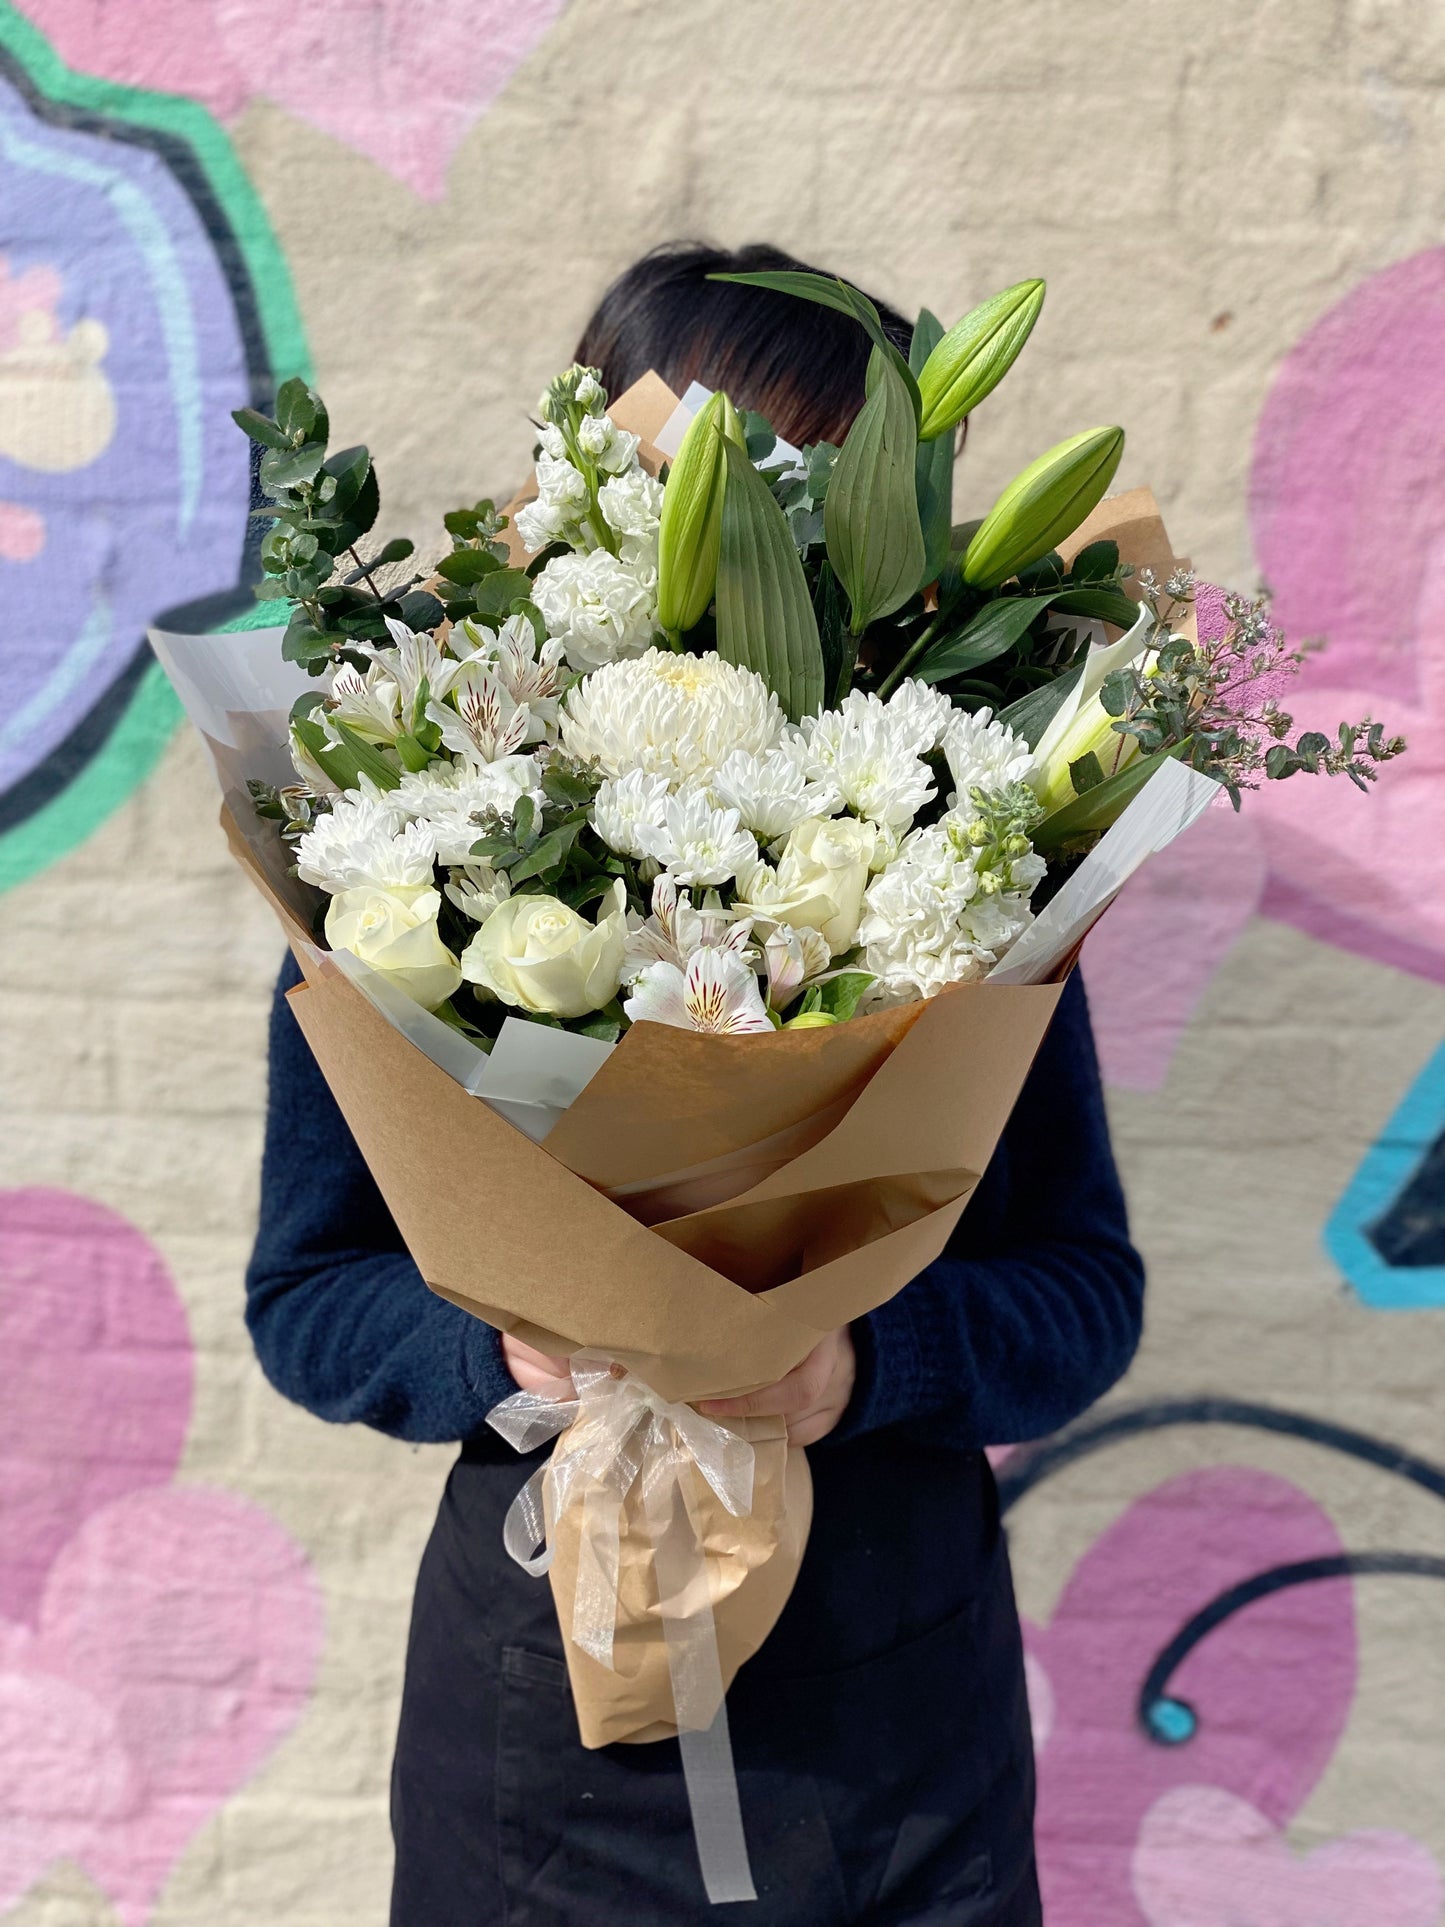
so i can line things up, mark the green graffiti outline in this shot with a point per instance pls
(135, 743)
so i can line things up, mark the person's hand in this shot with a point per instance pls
(812, 1397)
(537, 1371)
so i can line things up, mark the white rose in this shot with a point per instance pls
(395, 931)
(538, 954)
(819, 882)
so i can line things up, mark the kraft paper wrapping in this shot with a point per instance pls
(706, 1210)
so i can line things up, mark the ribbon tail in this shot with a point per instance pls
(599, 1551)
(525, 1527)
(697, 1691)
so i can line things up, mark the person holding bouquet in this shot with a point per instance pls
(881, 1735)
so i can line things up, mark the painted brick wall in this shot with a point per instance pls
(1239, 208)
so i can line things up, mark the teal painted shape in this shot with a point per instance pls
(1387, 1168)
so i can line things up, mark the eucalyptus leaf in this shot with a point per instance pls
(468, 566)
(260, 428)
(765, 620)
(1086, 772)
(283, 469)
(550, 853)
(495, 594)
(1096, 562)
(875, 539)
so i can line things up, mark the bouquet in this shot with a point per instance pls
(724, 817)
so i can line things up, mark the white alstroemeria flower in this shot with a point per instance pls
(717, 992)
(793, 958)
(486, 722)
(477, 889)
(369, 704)
(416, 658)
(626, 804)
(866, 757)
(770, 793)
(599, 607)
(983, 753)
(676, 931)
(697, 843)
(449, 798)
(676, 716)
(363, 840)
(532, 672)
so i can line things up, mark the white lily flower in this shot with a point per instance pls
(717, 992)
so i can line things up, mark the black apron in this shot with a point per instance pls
(881, 1735)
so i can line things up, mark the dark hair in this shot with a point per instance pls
(800, 365)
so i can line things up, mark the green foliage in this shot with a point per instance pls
(933, 465)
(765, 619)
(829, 292)
(875, 539)
(970, 361)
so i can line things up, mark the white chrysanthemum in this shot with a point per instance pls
(476, 889)
(717, 992)
(983, 753)
(697, 843)
(449, 797)
(934, 918)
(624, 805)
(672, 715)
(363, 840)
(770, 793)
(531, 672)
(863, 753)
(917, 714)
(600, 608)
(675, 931)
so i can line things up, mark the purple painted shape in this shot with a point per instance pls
(1271, 1686)
(118, 284)
(97, 1376)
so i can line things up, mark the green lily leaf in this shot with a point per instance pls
(765, 619)
(933, 465)
(875, 539)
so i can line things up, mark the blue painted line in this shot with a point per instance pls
(1387, 1167)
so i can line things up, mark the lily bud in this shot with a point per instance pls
(1043, 505)
(974, 356)
(810, 1020)
(691, 528)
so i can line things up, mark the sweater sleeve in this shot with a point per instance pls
(1012, 1334)
(341, 1318)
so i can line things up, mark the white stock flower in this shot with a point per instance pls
(626, 804)
(983, 753)
(448, 798)
(531, 672)
(395, 932)
(676, 716)
(717, 992)
(536, 953)
(561, 503)
(600, 608)
(933, 918)
(697, 843)
(631, 505)
(486, 722)
(866, 755)
(675, 931)
(363, 840)
(612, 448)
(819, 881)
(770, 793)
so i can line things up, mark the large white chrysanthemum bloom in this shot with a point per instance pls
(983, 753)
(674, 716)
(600, 608)
(696, 843)
(363, 840)
(449, 797)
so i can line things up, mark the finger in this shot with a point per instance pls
(792, 1395)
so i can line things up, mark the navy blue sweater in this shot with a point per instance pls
(1032, 1312)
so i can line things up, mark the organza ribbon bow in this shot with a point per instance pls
(623, 1434)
